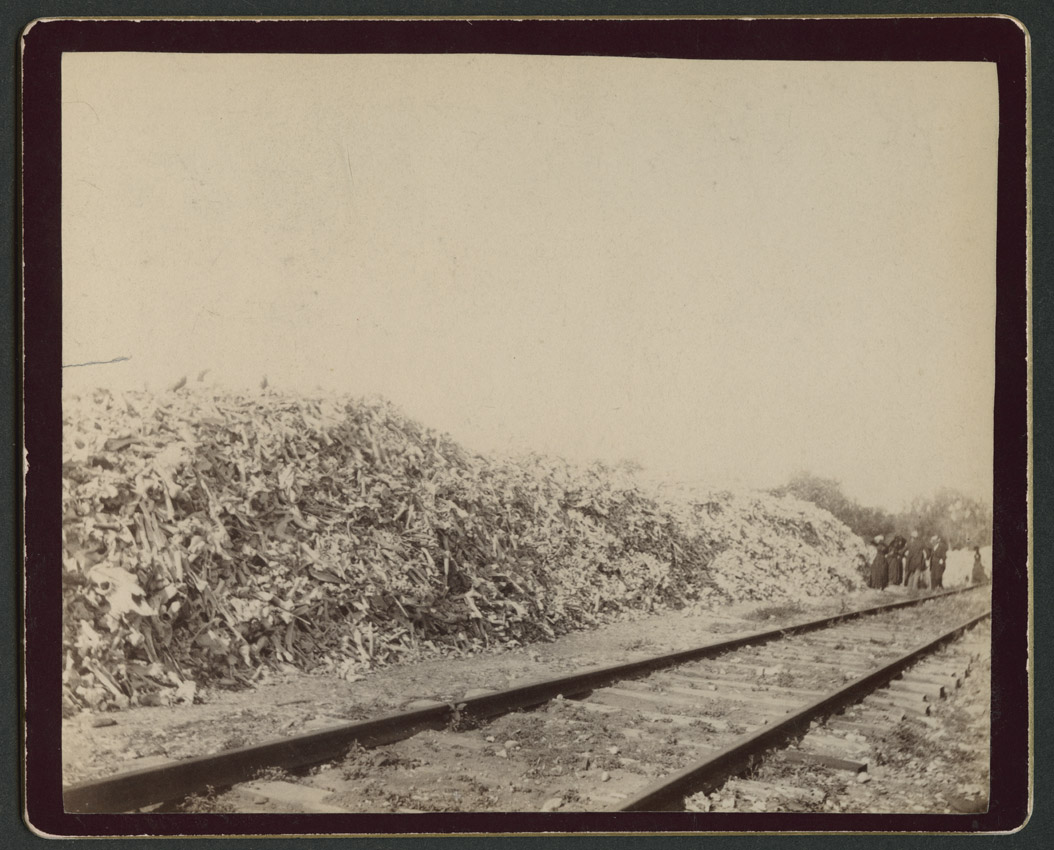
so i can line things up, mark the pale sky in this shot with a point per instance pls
(725, 271)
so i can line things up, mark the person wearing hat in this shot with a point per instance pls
(914, 560)
(894, 558)
(879, 567)
(938, 560)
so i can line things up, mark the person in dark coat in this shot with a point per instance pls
(894, 560)
(879, 567)
(914, 560)
(979, 576)
(938, 560)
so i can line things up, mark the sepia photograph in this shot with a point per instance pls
(471, 432)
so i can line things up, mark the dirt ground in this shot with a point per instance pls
(281, 704)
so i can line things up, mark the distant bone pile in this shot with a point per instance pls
(209, 535)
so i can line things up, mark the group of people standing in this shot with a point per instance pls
(906, 561)
(914, 564)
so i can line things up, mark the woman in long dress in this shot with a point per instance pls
(979, 576)
(893, 562)
(879, 567)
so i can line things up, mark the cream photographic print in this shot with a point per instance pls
(464, 432)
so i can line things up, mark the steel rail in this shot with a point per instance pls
(136, 789)
(669, 793)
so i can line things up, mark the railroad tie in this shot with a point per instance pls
(826, 743)
(912, 708)
(758, 792)
(949, 682)
(680, 720)
(775, 701)
(930, 693)
(821, 759)
(299, 798)
(715, 685)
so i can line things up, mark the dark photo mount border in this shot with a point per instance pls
(1001, 40)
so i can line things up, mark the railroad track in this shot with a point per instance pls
(648, 734)
(880, 753)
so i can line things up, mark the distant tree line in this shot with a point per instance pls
(962, 521)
